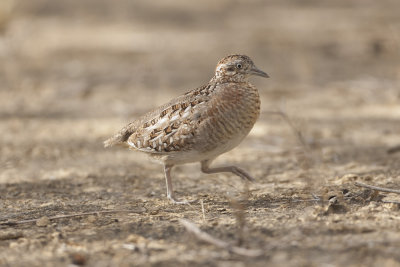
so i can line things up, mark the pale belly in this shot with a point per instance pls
(184, 157)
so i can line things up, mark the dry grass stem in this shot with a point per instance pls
(219, 243)
(382, 189)
(239, 212)
(12, 223)
(295, 130)
(203, 210)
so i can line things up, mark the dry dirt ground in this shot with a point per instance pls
(74, 72)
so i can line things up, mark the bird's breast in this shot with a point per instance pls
(231, 115)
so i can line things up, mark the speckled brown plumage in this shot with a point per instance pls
(201, 124)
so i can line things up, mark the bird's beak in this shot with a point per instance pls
(258, 72)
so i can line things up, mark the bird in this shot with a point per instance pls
(201, 124)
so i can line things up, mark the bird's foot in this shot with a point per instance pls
(242, 174)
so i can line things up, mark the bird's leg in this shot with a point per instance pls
(170, 190)
(205, 167)
(168, 181)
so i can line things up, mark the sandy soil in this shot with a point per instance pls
(74, 72)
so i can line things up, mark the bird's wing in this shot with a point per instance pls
(171, 127)
(167, 128)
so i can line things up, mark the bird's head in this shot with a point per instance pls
(237, 68)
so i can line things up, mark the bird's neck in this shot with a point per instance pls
(220, 78)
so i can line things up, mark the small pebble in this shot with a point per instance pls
(78, 259)
(91, 218)
(42, 222)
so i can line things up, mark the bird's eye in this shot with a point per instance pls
(239, 66)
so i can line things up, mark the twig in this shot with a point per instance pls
(294, 129)
(288, 201)
(393, 150)
(391, 201)
(377, 188)
(12, 223)
(219, 243)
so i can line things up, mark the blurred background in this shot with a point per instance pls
(74, 72)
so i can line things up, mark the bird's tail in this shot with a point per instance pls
(112, 141)
(120, 137)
